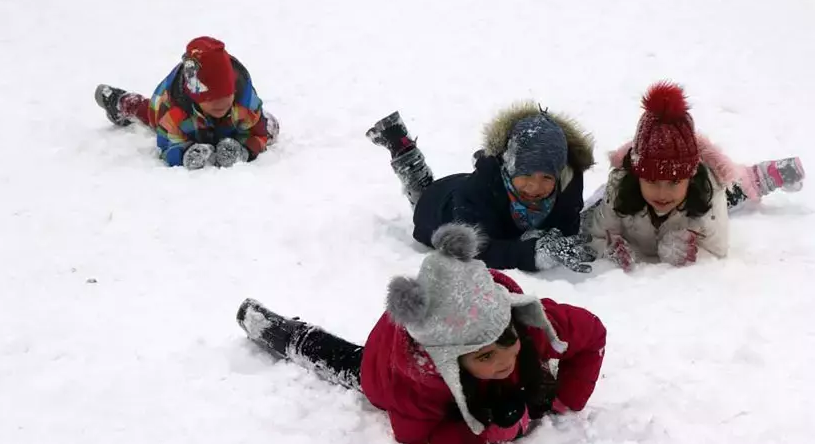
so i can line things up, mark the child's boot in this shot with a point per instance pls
(407, 161)
(392, 134)
(109, 98)
(787, 174)
(267, 328)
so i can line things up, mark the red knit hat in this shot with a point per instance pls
(665, 144)
(207, 70)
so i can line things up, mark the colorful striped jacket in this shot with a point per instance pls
(180, 123)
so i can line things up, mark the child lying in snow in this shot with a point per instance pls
(667, 195)
(460, 356)
(525, 194)
(206, 111)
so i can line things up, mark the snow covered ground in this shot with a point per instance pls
(120, 278)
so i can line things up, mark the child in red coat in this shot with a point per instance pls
(460, 356)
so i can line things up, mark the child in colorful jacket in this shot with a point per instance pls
(206, 111)
(461, 355)
(670, 189)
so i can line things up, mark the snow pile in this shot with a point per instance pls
(120, 278)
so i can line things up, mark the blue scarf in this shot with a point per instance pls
(528, 215)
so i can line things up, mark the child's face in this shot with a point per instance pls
(218, 107)
(534, 187)
(664, 195)
(492, 361)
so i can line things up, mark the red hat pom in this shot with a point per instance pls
(666, 101)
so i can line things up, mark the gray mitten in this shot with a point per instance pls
(197, 155)
(228, 152)
(553, 248)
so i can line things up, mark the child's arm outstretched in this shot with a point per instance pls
(580, 364)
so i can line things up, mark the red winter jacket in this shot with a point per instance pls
(398, 377)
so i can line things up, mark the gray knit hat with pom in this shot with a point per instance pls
(453, 307)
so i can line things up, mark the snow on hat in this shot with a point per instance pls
(536, 145)
(453, 307)
(207, 70)
(665, 143)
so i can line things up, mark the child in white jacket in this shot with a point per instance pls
(670, 189)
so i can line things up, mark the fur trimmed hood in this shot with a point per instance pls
(724, 170)
(580, 143)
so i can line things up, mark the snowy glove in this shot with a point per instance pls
(228, 152)
(559, 407)
(678, 247)
(507, 407)
(197, 156)
(618, 250)
(497, 434)
(554, 249)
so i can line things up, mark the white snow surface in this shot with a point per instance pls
(150, 352)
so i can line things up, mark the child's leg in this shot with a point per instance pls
(135, 106)
(332, 358)
(407, 160)
(590, 205)
(787, 174)
(595, 198)
(414, 174)
(765, 177)
(121, 107)
(736, 197)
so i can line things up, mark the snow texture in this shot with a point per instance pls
(717, 352)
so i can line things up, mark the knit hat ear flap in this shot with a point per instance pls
(407, 301)
(459, 241)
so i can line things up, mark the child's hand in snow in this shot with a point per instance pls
(678, 247)
(228, 152)
(496, 434)
(197, 155)
(618, 250)
(559, 407)
(553, 249)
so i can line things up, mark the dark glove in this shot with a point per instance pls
(507, 408)
(197, 155)
(509, 417)
(228, 152)
(553, 248)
